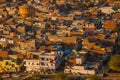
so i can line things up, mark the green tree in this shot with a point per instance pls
(114, 63)
(29, 78)
(61, 76)
(118, 43)
(117, 29)
(94, 77)
(36, 76)
(80, 5)
(54, 2)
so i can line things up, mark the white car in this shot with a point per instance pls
(23, 74)
(6, 76)
(15, 75)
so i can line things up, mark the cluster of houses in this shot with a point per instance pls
(56, 38)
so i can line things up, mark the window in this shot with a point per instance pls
(13, 65)
(37, 63)
(33, 64)
(7, 69)
(47, 59)
(29, 63)
(51, 64)
(12, 60)
(42, 58)
(24, 62)
(6, 63)
(42, 63)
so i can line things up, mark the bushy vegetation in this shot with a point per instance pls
(114, 63)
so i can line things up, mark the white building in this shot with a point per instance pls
(47, 61)
(80, 59)
(107, 10)
(80, 68)
(32, 65)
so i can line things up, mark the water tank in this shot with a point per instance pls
(27, 11)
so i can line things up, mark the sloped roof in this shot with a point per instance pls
(20, 55)
(117, 15)
(3, 54)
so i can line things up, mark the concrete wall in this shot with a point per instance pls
(79, 69)
(48, 62)
(32, 65)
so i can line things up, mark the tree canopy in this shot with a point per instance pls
(35, 76)
(114, 63)
(29, 78)
(118, 43)
(61, 76)
(94, 77)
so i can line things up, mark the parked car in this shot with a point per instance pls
(23, 74)
(15, 75)
(6, 76)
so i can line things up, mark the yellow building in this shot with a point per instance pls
(9, 66)
(1, 68)
(26, 11)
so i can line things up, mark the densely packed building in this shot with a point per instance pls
(74, 36)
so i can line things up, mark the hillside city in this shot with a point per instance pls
(59, 39)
